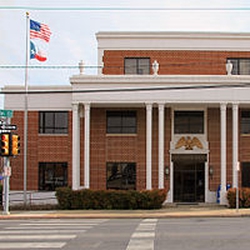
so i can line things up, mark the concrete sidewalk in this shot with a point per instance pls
(175, 212)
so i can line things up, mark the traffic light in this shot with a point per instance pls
(5, 144)
(15, 144)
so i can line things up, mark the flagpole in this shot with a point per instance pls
(25, 134)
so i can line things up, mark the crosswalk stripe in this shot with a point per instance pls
(140, 245)
(146, 227)
(37, 237)
(143, 237)
(47, 227)
(58, 224)
(52, 231)
(32, 245)
(150, 220)
(43, 234)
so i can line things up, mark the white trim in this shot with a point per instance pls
(223, 147)
(235, 142)
(149, 146)
(161, 138)
(189, 108)
(75, 147)
(207, 193)
(209, 41)
(206, 186)
(171, 180)
(86, 145)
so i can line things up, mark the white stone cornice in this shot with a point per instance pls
(97, 81)
(209, 41)
(171, 34)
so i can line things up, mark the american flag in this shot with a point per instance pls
(39, 30)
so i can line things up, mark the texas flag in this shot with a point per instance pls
(39, 38)
(37, 52)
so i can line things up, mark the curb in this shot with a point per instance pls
(99, 214)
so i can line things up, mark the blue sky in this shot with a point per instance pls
(74, 30)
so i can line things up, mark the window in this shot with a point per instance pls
(245, 176)
(53, 122)
(137, 66)
(52, 175)
(240, 66)
(189, 122)
(245, 122)
(121, 176)
(121, 122)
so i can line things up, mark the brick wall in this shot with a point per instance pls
(174, 62)
(116, 148)
(125, 148)
(130, 148)
(41, 148)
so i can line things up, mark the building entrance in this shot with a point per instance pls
(189, 178)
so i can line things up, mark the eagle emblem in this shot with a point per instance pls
(188, 143)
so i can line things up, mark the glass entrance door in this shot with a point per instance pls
(189, 178)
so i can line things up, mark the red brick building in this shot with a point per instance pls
(166, 110)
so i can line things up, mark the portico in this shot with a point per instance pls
(172, 93)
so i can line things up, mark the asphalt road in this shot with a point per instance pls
(126, 234)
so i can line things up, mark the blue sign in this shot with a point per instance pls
(1, 177)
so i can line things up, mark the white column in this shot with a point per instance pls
(206, 181)
(86, 145)
(76, 148)
(171, 182)
(161, 108)
(235, 143)
(223, 122)
(149, 147)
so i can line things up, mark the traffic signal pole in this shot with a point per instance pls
(9, 147)
(7, 172)
(6, 185)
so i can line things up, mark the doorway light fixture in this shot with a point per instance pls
(211, 170)
(167, 170)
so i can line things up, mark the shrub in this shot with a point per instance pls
(244, 197)
(64, 197)
(109, 199)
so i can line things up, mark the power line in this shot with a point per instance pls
(177, 64)
(110, 90)
(47, 67)
(125, 8)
